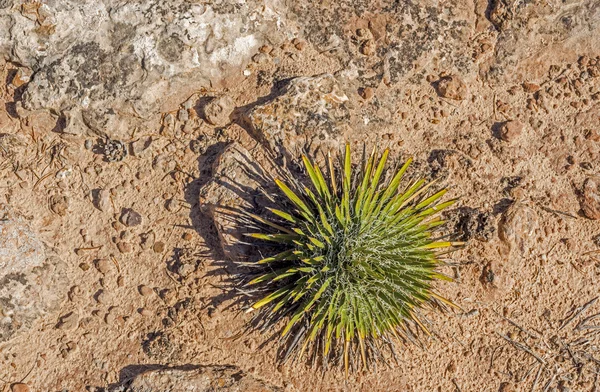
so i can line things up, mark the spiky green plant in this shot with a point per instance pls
(358, 260)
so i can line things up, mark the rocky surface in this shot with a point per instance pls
(99, 113)
(101, 66)
(309, 113)
(203, 379)
(32, 283)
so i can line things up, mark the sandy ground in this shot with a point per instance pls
(523, 281)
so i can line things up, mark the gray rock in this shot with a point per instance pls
(102, 63)
(32, 282)
(101, 200)
(310, 112)
(202, 379)
(130, 217)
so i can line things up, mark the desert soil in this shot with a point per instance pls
(505, 113)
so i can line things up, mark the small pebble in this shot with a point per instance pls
(530, 87)
(266, 49)
(218, 110)
(101, 297)
(124, 247)
(125, 235)
(103, 266)
(159, 247)
(300, 45)
(451, 87)
(172, 205)
(141, 145)
(145, 312)
(120, 281)
(368, 48)
(187, 236)
(147, 240)
(19, 387)
(182, 115)
(102, 201)
(130, 218)
(74, 293)
(511, 130)
(367, 93)
(88, 144)
(145, 290)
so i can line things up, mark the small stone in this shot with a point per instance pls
(19, 387)
(517, 228)
(125, 235)
(120, 281)
(367, 93)
(511, 130)
(451, 87)
(530, 87)
(197, 146)
(84, 267)
(218, 110)
(147, 240)
(103, 266)
(101, 200)
(124, 247)
(145, 290)
(101, 297)
(74, 293)
(301, 45)
(145, 312)
(22, 76)
(140, 145)
(130, 217)
(59, 204)
(187, 236)
(88, 144)
(368, 48)
(68, 321)
(265, 49)
(172, 205)
(589, 199)
(159, 247)
(168, 295)
(182, 115)
(363, 33)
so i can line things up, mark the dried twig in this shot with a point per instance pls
(531, 334)
(582, 324)
(537, 378)
(523, 347)
(576, 312)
